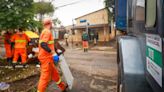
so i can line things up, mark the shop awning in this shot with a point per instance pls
(91, 26)
(31, 34)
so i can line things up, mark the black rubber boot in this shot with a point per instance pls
(13, 65)
(86, 50)
(25, 65)
(10, 61)
(7, 59)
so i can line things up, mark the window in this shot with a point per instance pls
(151, 13)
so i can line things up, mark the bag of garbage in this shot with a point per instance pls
(4, 86)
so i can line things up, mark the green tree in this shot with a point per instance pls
(15, 14)
(56, 21)
(42, 8)
(109, 4)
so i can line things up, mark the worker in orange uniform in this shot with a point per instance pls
(85, 39)
(8, 48)
(20, 40)
(45, 56)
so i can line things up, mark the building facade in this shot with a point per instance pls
(93, 23)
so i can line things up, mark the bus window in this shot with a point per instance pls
(151, 13)
(140, 10)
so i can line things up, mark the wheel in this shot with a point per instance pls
(119, 79)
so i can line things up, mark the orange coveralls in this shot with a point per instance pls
(48, 69)
(21, 41)
(85, 44)
(8, 49)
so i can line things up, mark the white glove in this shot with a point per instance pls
(35, 49)
(30, 56)
(59, 51)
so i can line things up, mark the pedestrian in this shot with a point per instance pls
(8, 48)
(96, 37)
(46, 55)
(85, 39)
(66, 35)
(20, 41)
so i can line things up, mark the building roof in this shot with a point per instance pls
(90, 13)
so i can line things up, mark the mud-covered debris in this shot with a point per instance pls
(10, 75)
(7, 78)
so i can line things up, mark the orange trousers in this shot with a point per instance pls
(20, 52)
(8, 51)
(85, 44)
(48, 72)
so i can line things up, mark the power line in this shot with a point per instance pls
(75, 2)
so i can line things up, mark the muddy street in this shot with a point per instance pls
(94, 71)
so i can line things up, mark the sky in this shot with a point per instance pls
(68, 13)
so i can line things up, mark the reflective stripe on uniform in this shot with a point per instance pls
(58, 82)
(20, 41)
(49, 42)
(14, 62)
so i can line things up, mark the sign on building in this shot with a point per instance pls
(83, 21)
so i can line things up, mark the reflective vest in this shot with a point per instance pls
(20, 40)
(47, 37)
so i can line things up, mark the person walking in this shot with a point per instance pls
(66, 36)
(20, 41)
(47, 56)
(85, 39)
(96, 37)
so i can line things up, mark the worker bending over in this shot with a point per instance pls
(20, 40)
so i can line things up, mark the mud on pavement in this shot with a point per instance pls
(93, 83)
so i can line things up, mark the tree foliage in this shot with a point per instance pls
(56, 21)
(43, 8)
(109, 4)
(15, 14)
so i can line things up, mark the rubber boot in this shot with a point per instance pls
(86, 50)
(13, 65)
(25, 65)
(7, 59)
(10, 61)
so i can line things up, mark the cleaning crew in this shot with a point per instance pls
(85, 39)
(8, 48)
(20, 41)
(47, 56)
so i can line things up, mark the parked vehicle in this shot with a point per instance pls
(141, 51)
(120, 14)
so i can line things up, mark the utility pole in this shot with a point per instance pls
(87, 24)
(72, 31)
